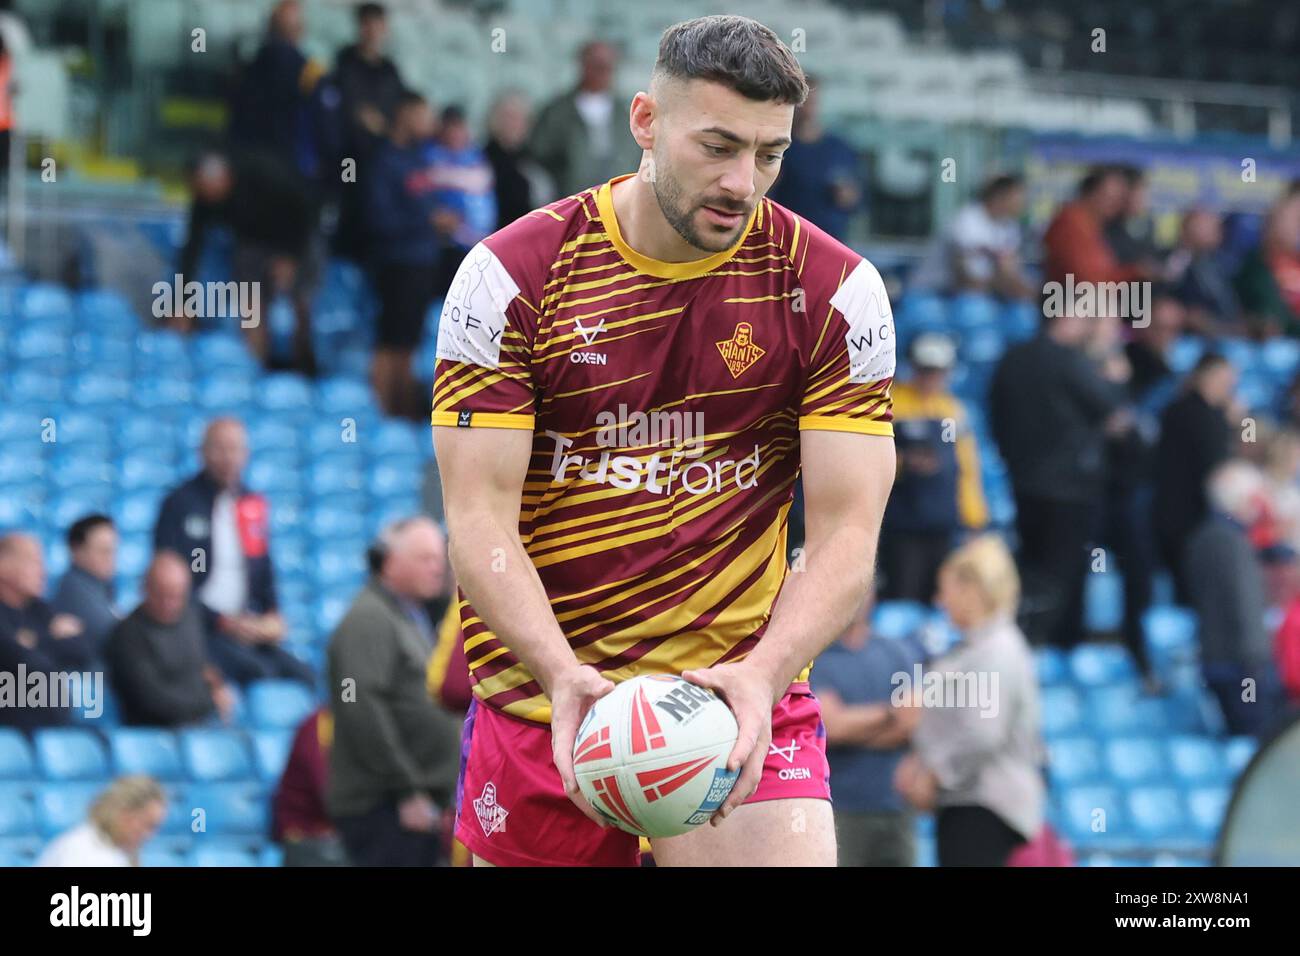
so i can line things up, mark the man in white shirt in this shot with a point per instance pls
(979, 251)
(221, 530)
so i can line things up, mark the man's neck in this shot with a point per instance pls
(12, 597)
(643, 226)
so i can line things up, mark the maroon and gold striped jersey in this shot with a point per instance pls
(665, 402)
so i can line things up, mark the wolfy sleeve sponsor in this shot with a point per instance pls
(74, 908)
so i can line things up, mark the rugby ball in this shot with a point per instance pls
(651, 755)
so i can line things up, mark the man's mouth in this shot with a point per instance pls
(723, 217)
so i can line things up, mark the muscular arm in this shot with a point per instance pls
(483, 472)
(846, 482)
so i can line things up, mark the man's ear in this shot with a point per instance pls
(641, 117)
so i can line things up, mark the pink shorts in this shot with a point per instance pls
(511, 808)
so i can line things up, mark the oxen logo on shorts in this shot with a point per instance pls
(491, 815)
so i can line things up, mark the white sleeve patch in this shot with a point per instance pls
(474, 312)
(862, 300)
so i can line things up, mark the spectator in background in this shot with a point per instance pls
(581, 137)
(1226, 586)
(86, 590)
(299, 821)
(1197, 433)
(1149, 345)
(396, 752)
(1075, 242)
(820, 178)
(980, 766)
(405, 225)
(8, 90)
(866, 738)
(32, 635)
(123, 818)
(463, 191)
(158, 656)
(1131, 235)
(1197, 278)
(270, 109)
(979, 250)
(1051, 409)
(520, 183)
(1268, 282)
(221, 529)
(938, 491)
(369, 88)
(273, 223)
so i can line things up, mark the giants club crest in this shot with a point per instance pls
(491, 815)
(740, 351)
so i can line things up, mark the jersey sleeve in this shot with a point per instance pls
(485, 342)
(853, 358)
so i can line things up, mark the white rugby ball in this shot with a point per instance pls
(651, 755)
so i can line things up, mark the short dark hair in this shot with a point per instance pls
(1097, 175)
(81, 528)
(998, 185)
(737, 52)
(369, 11)
(1207, 362)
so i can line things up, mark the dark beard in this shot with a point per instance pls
(674, 210)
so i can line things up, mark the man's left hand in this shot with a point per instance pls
(751, 694)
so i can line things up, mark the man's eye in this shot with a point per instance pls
(715, 150)
(771, 158)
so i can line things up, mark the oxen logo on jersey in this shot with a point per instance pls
(589, 335)
(491, 815)
(740, 351)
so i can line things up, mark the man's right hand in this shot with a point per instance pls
(417, 812)
(572, 695)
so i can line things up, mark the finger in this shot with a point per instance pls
(744, 788)
(746, 740)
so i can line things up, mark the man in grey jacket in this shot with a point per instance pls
(396, 752)
(86, 590)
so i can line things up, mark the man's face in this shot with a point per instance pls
(23, 568)
(225, 453)
(97, 555)
(1219, 384)
(416, 568)
(167, 592)
(1010, 204)
(373, 33)
(716, 154)
(598, 64)
(1204, 231)
(1110, 197)
(455, 135)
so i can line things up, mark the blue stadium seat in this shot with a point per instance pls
(226, 395)
(278, 704)
(70, 754)
(180, 810)
(1170, 633)
(16, 760)
(330, 610)
(387, 480)
(216, 755)
(97, 389)
(146, 750)
(137, 431)
(61, 806)
(1206, 808)
(45, 303)
(75, 503)
(232, 808)
(342, 567)
(1102, 665)
(923, 309)
(325, 478)
(162, 394)
(1184, 353)
(1062, 710)
(271, 475)
(105, 307)
(345, 398)
(1280, 357)
(982, 346)
(215, 350)
(1115, 711)
(271, 855)
(1158, 815)
(894, 619)
(34, 343)
(1133, 760)
(1050, 663)
(392, 440)
(1094, 817)
(972, 311)
(223, 856)
(1238, 752)
(267, 434)
(1197, 760)
(332, 524)
(1019, 321)
(163, 856)
(271, 748)
(162, 354)
(21, 425)
(285, 392)
(36, 386)
(17, 810)
(136, 512)
(19, 851)
(1074, 761)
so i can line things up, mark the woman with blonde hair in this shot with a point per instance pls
(978, 755)
(122, 819)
